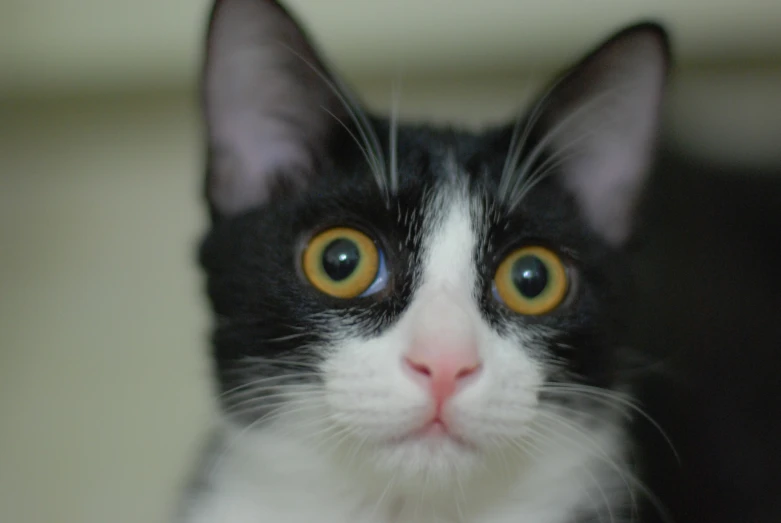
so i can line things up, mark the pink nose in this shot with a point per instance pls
(443, 371)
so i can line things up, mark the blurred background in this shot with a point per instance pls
(104, 380)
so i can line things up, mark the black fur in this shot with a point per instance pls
(269, 321)
(259, 295)
(707, 320)
(705, 265)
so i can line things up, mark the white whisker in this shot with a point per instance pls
(517, 143)
(365, 129)
(384, 493)
(618, 400)
(393, 138)
(583, 110)
(583, 440)
(252, 387)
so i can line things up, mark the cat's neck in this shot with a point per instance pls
(268, 472)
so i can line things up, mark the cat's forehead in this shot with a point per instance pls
(449, 234)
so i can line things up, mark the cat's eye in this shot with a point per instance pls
(531, 281)
(344, 263)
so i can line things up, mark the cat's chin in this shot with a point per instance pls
(428, 458)
(433, 433)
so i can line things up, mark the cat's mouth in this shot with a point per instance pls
(436, 432)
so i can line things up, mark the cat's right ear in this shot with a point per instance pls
(269, 109)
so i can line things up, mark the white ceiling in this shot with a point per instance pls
(56, 45)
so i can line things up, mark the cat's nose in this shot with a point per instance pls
(443, 370)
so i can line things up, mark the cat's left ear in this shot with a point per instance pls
(601, 120)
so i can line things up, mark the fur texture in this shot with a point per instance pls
(321, 417)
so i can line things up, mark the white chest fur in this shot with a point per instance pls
(270, 477)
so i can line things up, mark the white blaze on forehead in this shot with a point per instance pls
(444, 307)
(449, 254)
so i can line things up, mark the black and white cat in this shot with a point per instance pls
(417, 324)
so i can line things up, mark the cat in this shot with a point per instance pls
(417, 324)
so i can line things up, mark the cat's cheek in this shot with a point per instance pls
(504, 403)
(367, 393)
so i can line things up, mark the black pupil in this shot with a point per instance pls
(340, 258)
(530, 276)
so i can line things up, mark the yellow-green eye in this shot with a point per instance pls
(531, 281)
(341, 262)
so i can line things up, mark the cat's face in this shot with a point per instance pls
(411, 300)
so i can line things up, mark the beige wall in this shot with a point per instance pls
(52, 45)
(102, 384)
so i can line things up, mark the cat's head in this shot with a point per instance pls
(422, 300)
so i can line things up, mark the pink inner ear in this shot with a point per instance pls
(610, 164)
(266, 107)
(236, 188)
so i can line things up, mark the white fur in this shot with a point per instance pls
(341, 458)
(271, 477)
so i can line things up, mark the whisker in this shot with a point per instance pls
(393, 138)
(558, 158)
(231, 443)
(625, 474)
(371, 161)
(607, 397)
(268, 379)
(286, 338)
(279, 362)
(575, 412)
(590, 445)
(531, 121)
(249, 407)
(358, 117)
(545, 141)
(334, 440)
(356, 449)
(369, 130)
(265, 397)
(529, 448)
(511, 161)
(264, 400)
(548, 166)
(460, 492)
(384, 493)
